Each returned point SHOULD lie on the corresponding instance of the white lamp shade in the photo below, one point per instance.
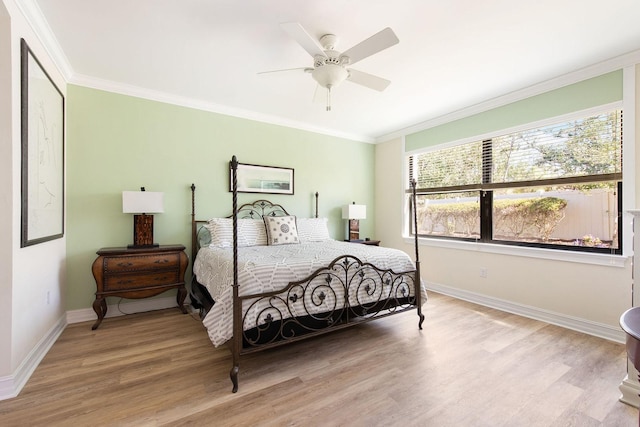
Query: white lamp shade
(354, 212)
(138, 202)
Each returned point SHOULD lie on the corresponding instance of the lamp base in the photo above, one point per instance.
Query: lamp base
(354, 229)
(142, 232)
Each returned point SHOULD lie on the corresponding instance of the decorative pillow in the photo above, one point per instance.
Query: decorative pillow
(281, 230)
(204, 236)
(312, 229)
(251, 232)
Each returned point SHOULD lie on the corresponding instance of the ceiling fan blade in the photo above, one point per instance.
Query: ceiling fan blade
(286, 69)
(299, 34)
(374, 44)
(368, 80)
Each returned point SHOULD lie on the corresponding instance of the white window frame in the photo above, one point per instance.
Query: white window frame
(628, 188)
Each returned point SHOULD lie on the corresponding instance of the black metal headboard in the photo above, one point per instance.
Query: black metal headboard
(259, 209)
(255, 210)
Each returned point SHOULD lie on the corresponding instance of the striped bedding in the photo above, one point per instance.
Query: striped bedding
(268, 268)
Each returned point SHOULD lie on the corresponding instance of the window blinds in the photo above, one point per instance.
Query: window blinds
(587, 149)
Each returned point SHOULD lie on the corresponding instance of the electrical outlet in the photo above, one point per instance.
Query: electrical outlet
(483, 272)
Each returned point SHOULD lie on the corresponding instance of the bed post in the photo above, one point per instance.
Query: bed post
(236, 340)
(194, 231)
(417, 279)
(316, 204)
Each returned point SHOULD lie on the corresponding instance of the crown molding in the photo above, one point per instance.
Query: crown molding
(32, 13)
(36, 20)
(595, 70)
(153, 95)
(34, 17)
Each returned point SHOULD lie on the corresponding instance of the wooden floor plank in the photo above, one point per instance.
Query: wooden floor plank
(470, 365)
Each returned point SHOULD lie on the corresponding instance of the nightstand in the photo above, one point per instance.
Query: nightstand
(138, 273)
(365, 242)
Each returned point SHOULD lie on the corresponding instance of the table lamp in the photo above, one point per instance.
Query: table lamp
(354, 213)
(142, 203)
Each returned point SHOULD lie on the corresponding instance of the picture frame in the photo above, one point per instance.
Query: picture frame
(42, 157)
(262, 179)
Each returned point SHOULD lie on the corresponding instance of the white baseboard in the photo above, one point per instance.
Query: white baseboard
(11, 385)
(630, 388)
(600, 330)
(129, 307)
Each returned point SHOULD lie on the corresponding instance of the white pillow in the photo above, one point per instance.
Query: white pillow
(281, 230)
(251, 232)
(312, 229)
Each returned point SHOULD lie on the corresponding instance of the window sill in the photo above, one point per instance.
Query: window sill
(540, 253)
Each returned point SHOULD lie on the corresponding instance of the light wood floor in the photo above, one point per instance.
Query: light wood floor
(469, 366)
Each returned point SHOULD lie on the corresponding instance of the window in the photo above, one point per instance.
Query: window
(554, 186)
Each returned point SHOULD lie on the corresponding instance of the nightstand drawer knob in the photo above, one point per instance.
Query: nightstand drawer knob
(125, 264)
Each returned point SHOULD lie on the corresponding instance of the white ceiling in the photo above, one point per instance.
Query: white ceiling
(452, 53)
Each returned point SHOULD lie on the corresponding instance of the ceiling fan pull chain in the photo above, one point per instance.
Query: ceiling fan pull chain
(328, 97)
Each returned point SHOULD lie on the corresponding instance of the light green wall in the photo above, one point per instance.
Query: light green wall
(117, 142)
(575, 97)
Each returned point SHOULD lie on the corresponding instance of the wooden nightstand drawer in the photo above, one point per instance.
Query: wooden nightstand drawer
(142, 280)
(165, 261)
(138, 273)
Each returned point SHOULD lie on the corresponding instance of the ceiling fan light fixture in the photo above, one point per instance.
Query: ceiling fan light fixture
(330, 66)
(330, 75)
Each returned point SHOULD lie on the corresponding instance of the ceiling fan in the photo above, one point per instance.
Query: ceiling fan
(330, 66)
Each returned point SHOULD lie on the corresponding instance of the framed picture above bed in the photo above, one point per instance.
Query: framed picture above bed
(262, 179)
(42, 210)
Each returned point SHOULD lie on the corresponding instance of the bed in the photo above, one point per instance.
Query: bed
(264, 278)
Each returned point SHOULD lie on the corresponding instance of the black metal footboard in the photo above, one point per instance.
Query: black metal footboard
(347, 291)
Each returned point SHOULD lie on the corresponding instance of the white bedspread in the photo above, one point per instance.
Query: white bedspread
(268, 268)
